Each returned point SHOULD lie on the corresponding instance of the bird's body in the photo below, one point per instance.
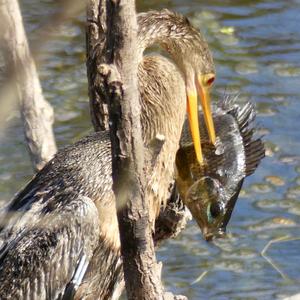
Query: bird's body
(79, 180)
(63, 225)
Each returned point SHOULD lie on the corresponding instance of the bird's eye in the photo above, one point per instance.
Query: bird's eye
(213, 211)
(210, 80)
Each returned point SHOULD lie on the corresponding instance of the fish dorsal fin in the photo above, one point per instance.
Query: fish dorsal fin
(255, 152)
(254, 147)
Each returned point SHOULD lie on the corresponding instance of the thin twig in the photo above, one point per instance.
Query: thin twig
(198, 279)
(282, 239)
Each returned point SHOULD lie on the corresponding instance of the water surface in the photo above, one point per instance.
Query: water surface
(256, 45)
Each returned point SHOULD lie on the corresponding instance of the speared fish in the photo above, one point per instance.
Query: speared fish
(210, 191)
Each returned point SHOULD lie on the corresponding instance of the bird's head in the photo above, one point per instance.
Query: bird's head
(199, 75)
(195, 60)
(198, 87)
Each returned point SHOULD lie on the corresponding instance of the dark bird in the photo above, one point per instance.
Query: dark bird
(59, 237)
(210, 190)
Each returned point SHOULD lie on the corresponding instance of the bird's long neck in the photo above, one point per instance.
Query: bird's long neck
(163, 99)
(163, 93)
(163, 108)
(175, 35)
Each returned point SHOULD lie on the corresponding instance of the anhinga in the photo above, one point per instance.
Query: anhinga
(61, 234)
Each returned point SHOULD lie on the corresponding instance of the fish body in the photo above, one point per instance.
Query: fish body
(210, 190)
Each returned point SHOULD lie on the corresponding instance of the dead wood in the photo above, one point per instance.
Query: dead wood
(36, 112)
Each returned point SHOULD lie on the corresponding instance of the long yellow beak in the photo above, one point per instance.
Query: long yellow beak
(203, 92)
(192, 109)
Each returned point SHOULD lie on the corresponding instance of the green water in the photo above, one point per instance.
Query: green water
(256, 45)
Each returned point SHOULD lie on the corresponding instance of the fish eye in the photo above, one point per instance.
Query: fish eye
(213, 211)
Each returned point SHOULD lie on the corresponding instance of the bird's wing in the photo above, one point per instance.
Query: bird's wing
(40, 259)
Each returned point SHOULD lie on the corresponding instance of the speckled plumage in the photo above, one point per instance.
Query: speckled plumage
(67, 212)
(174, 33)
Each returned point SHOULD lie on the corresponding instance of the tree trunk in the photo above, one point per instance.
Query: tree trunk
(114, 28)
(142, 279)
(37, 114)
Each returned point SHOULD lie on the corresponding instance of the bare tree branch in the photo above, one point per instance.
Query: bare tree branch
(113, 25)
(142, 279)
(37, 114)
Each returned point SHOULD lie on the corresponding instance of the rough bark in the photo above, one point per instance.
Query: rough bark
(119, 78)
(36, 112)
(142, 279)
(97, 53)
